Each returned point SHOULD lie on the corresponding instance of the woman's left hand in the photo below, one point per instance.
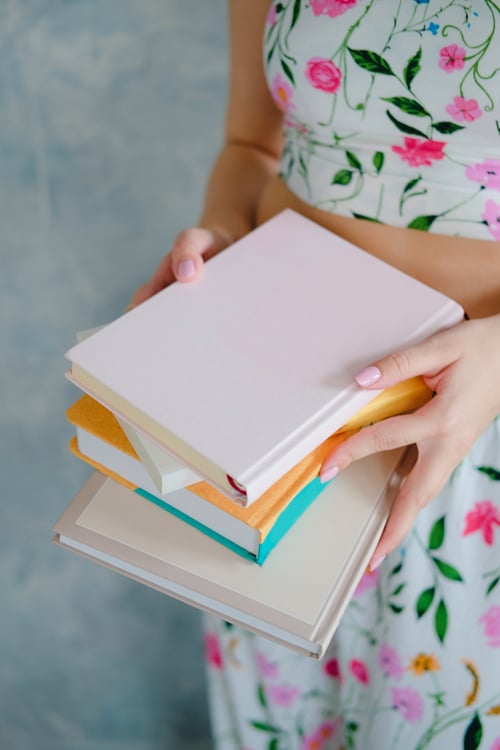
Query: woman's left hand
(461, 365)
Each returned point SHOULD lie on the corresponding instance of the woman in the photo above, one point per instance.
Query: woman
(380, 120)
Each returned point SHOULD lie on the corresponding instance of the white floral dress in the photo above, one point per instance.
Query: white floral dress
(392, 112)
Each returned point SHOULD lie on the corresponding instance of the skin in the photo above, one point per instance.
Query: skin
(462, 364)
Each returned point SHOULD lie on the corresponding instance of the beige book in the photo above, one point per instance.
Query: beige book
(296, 598)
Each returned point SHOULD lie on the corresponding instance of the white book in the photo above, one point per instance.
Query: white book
(166, 473)
(246, 371)
(238, 535)
(296, 598)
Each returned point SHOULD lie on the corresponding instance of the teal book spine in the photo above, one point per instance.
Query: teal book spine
(282, 525)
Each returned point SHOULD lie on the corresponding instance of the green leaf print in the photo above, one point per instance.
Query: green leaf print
(410, 106)
(371, 61)
(424, 601)
(398, 589)
(366, 218)
(490, 472)
(473, 734)
(343, 177)
(423, 222)
(447, 570)
(296, 13)
(273, 744)
(436, 537)
(265, 727)
(378, 160)
(397, 568)
(396, 608)
(446, 127)
(411, 184)
(350, 731)
(353, 160)
(261, 696)
(412, 67)
(492, 585)
(287, 71)
(441, 620)
(403, 127)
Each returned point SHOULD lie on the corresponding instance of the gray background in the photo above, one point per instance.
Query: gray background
(110, 115)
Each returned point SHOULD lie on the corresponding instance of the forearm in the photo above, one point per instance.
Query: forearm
(236, 182)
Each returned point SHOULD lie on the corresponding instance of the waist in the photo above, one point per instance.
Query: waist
(467, 270)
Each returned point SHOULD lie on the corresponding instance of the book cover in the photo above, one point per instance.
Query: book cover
(297, 598)
(241, 374)
(102, 437)
(233, 530)
(166, 473)
(251, 531)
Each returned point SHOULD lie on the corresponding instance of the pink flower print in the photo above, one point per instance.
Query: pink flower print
(282, 93)
(484, 515)
(331, 8)
(491, 622)
(268, 669)
(464, 110)
(359, 671)
(419, 152)
(323, 74)
(491, 216)
(496, 744)
(486, 172)
(312, 742)
(317, 739)
(282, 695)
(389, 661)
(368, 581)
(332, 669)
(451, 58)
(272, 15)
(213, 653)
(408, 703)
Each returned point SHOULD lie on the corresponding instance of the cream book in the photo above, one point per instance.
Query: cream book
(297, 598)
(243, 373)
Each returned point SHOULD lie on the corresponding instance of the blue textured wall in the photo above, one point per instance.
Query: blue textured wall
(110, 114)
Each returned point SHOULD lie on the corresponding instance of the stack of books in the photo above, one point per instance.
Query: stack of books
(209, 410)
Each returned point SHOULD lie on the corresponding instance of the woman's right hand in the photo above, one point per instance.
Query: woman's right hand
(185, 260)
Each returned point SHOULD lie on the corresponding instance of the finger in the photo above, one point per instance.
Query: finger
(388, 434)
(423, 483)
(426, 358)
(191, 248)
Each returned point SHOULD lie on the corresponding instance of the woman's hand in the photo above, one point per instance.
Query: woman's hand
(462, 366)
(184, 261)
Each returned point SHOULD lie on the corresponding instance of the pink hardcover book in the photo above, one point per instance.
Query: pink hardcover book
(244, 372)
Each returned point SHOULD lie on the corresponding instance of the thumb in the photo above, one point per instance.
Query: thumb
(192, 247)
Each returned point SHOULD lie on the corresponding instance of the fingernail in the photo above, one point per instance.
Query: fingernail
(186, 269)
(377, 562)
(368, 376)
(328, 473)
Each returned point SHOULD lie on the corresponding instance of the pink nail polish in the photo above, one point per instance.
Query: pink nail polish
(368, 376)
(377, 562)
(185, 269)
(328, 473)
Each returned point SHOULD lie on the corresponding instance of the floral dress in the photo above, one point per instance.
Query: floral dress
(392, 109)
(392, 114)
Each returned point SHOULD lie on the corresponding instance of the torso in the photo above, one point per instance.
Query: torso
(413, 140)
(467, 270)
